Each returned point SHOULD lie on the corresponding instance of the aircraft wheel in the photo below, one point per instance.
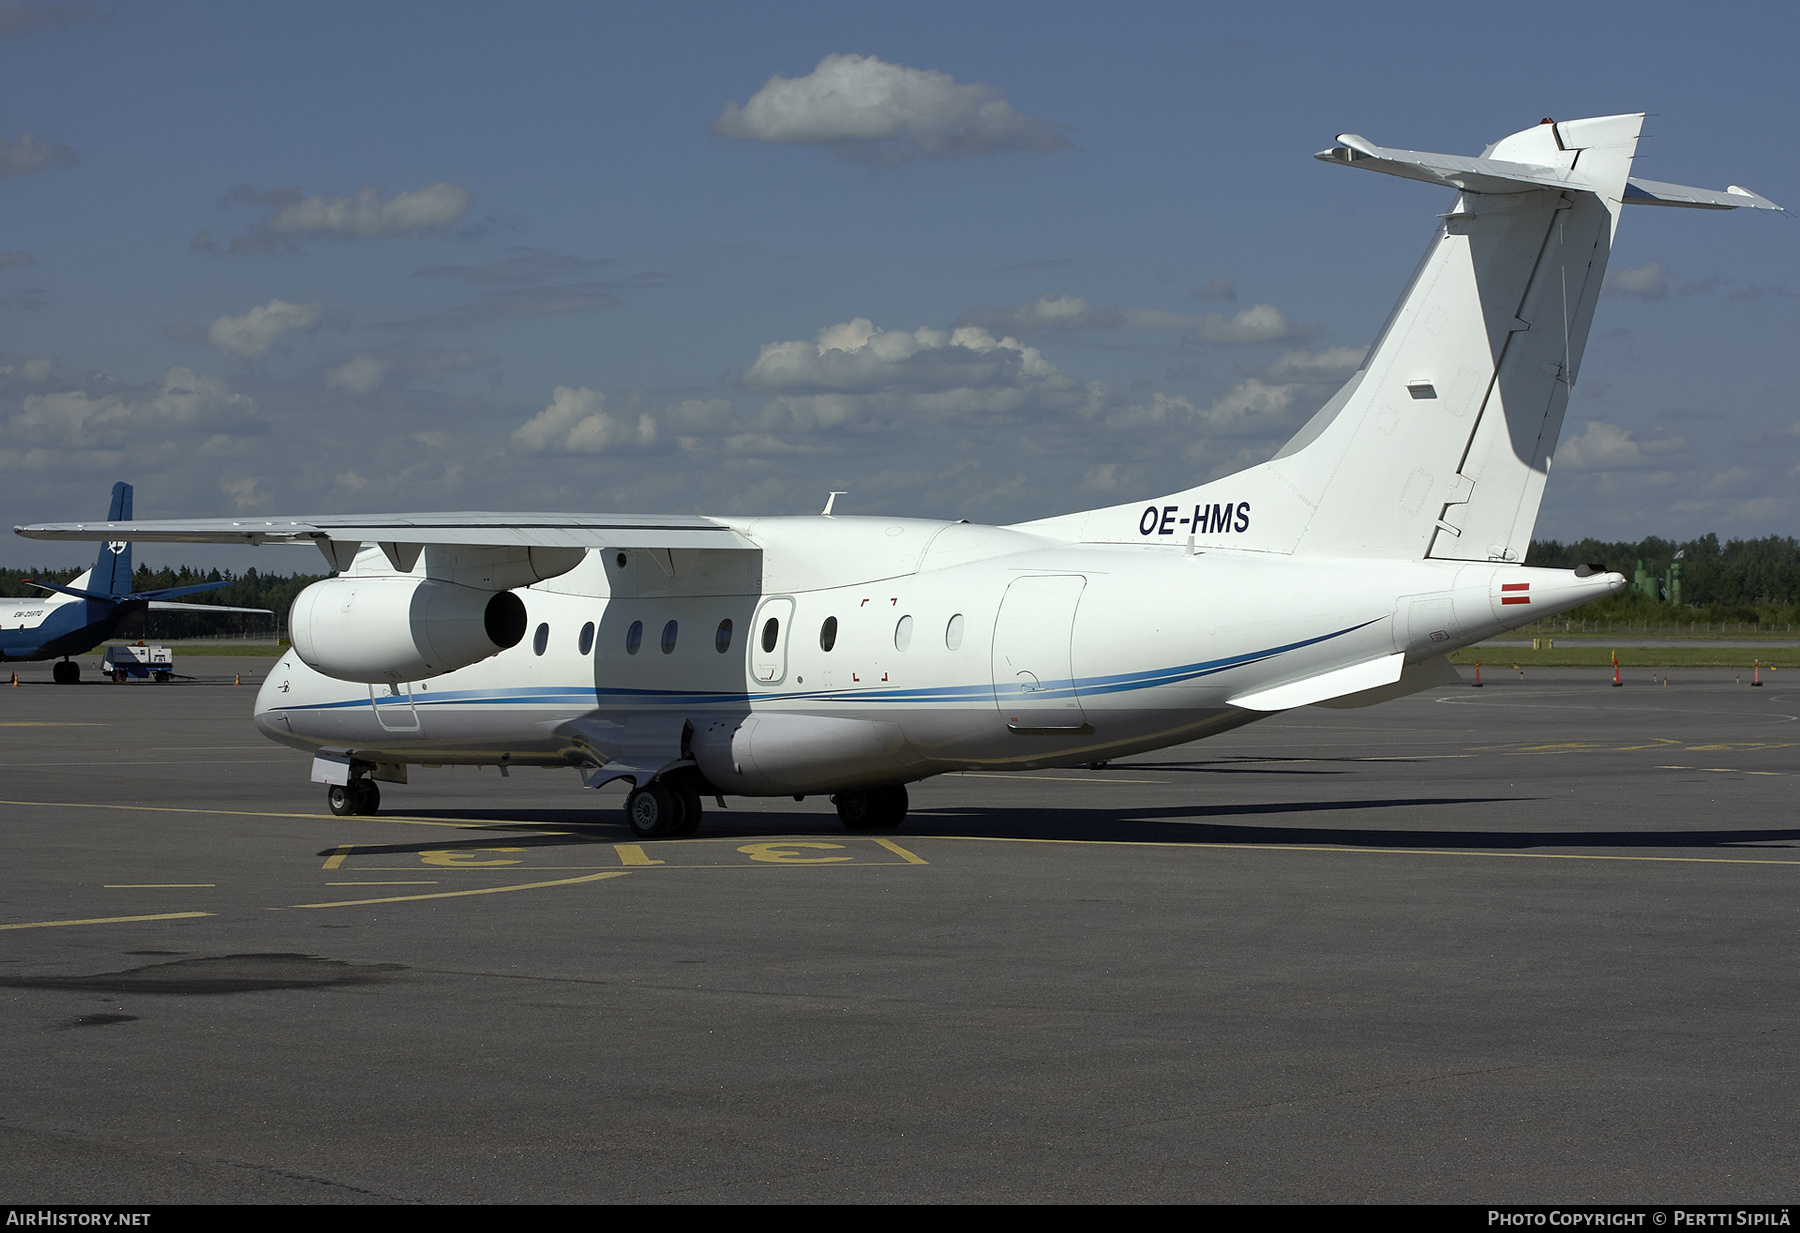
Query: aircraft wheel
(340, 799)
(365, 796)
(653, 812)
(65, 672)
(872, 808)
(691, 809)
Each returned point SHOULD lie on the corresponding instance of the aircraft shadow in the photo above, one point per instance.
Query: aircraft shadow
(1183, 824)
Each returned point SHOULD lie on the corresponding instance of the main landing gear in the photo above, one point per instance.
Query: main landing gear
(359, 796)
(661, 810)
(867, 809)
(65, 672)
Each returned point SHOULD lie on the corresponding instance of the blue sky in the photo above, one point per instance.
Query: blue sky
(355, 258)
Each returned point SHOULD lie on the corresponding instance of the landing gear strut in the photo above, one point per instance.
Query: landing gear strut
(865, 809)
(359, 796)
(65, 672)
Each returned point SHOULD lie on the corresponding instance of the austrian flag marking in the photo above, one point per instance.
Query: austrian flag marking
(1508, 597)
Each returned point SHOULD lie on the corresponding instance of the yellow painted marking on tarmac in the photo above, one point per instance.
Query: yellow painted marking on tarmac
(34, 723)
(105, 920)
(465, 858)
(486, 890)
(634, 854)
(1329, 848)
(787, 853)
(158, 885)
(265, 813)
(895, 848)
(433, 883)
(337, 857)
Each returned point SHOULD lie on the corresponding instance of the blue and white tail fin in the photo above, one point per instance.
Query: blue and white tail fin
(111, 574)
(1439, 446)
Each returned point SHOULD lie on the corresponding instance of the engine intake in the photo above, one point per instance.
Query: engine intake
(382, 630)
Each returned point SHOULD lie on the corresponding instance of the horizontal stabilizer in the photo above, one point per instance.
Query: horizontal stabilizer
(1477, 175)
(1655, 192)
(1371, 674)
(163, 605)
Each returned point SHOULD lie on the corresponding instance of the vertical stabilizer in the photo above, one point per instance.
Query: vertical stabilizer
(112, 570)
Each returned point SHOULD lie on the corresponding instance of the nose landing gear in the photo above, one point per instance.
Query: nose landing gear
(65, 672)
(359, 796)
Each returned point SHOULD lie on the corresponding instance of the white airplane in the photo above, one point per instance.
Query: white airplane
(700, 656)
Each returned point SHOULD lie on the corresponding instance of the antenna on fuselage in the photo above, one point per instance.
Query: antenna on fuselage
(832, 500)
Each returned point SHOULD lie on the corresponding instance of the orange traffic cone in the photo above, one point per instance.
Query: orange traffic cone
(15, 680)
(1616, 681)
(237, 678)
(1756, 680)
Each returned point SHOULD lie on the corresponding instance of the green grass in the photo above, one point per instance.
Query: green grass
(1590, 655)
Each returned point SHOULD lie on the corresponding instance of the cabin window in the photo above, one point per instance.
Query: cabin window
(903, 633)
(540, 641)
(771, 631)
(634, 637)
(587, 637)
(953, 632)
(668, 638)
(828, 634)
(722, 639)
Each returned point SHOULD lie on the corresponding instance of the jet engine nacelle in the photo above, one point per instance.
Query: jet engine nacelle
(382, 630)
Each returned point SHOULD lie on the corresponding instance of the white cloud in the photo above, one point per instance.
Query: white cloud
(868, 110)
(1071, 312)
(33, 153)
(33, 370)
(252, 334)
(1645, 282)
(577, 422)
(185, 400)
(360, 375)
(857, 357)
(365, 214)
(1260, 323)
(1333, 364)
(1604, 447)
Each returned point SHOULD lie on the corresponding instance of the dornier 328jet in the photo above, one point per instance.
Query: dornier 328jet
(697, 656)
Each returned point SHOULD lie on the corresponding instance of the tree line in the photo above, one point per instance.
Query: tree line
(251, 589)
(1756, 581)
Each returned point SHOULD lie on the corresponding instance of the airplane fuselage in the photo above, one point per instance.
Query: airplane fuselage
(855, 651)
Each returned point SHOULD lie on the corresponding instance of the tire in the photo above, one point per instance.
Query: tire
(653, 812)
(691, 811)
(365, 796)
(65, 672)
(162, 676)
(865, 809)
(340, 800)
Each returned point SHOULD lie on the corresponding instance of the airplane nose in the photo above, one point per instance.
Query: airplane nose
(270, 714)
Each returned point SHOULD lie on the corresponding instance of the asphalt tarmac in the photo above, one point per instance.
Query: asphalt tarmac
(1529, 943)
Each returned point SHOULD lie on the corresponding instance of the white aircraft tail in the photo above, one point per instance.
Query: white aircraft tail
(1439, 446)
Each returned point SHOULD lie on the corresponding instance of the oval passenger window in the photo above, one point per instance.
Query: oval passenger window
(953, 632)
(722, 639)
(770, 630)
(540, 640)
(903, 634)
(634, 637)
(587, 637)
(828, 634)
(668, 638)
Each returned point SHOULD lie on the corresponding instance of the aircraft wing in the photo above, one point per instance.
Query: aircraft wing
(471, 528)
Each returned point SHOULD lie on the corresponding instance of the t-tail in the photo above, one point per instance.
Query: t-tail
(1439, 446)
